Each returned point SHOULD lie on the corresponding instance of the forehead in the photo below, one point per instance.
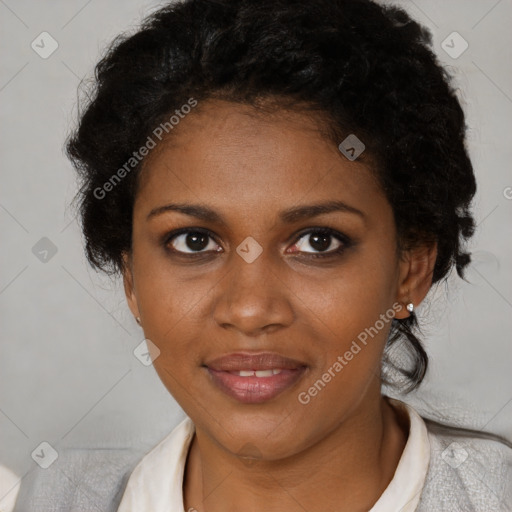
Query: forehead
(230, 154)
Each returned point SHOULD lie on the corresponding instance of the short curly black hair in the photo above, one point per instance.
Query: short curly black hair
(368, 68)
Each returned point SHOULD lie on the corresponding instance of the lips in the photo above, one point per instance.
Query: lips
(263, 361)
(254, 378)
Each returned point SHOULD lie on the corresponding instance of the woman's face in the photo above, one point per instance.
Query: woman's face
(248, 276)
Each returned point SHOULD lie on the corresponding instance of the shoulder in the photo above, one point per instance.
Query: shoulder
(468, 471)
(78, 480)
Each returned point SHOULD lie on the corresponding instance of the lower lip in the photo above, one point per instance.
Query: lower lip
(254, 390)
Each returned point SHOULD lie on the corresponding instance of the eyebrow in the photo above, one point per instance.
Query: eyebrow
(289, 216)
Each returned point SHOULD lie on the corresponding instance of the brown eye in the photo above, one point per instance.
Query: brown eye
(192, 241)
(321, 242)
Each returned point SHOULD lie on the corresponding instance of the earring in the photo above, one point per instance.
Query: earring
(410, 307)
(138, 320)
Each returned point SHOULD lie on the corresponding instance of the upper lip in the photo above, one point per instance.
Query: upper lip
(249, 361)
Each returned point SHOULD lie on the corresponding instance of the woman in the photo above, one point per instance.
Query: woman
(279, 184)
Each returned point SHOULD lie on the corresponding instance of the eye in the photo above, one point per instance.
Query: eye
(191, 241)
(323, 242)
(326, 241)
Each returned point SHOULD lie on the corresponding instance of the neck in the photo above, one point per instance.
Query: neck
(347, 470)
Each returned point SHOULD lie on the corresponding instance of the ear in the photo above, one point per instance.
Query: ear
(129, 286)
(416, 270)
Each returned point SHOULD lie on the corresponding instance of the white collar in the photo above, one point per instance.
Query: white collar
(156, 483)
(404, 491)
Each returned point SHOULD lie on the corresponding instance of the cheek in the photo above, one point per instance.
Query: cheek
(172, 308)
(352, 296)
(167, 292)
(349, 314)
(350, 327)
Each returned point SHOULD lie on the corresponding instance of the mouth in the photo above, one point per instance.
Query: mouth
(254, 378)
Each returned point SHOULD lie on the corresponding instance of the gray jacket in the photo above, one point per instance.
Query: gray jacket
(467, 473)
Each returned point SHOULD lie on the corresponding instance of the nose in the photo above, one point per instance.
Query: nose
(253, 298)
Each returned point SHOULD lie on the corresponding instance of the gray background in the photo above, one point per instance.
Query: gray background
(68, 375)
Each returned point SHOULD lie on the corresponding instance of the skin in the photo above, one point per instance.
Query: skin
(339, 451)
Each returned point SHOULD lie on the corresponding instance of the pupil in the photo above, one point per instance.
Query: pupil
(197, 241)
(320, 242)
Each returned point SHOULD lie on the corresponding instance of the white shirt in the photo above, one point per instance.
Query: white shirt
(9, 488)
(156, 483)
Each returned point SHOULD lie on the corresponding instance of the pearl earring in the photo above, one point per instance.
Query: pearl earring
(138, 320)
(410, 307)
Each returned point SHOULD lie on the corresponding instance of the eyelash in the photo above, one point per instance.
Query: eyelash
(346, 242)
